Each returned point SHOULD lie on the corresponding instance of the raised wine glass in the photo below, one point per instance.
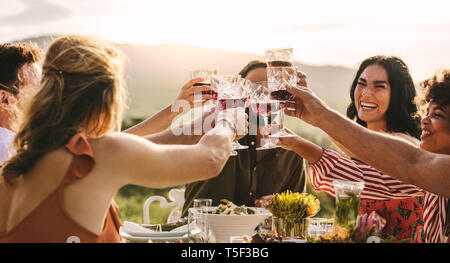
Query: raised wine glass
(282, 57)
(206, 74)
(233, 92)
(262, 105)
(278, 79)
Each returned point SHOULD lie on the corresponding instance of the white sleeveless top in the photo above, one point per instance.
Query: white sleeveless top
(6, 144)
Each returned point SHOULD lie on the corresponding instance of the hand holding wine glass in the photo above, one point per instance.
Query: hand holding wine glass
(289, 106)
(233, 92)
(279, 78)
(306, 105)
(303, 103)
(280, 75)
(236, 118)
(263, 106)
(206, 75)
(191, 88)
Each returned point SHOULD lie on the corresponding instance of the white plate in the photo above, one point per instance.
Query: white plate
(294, 240)
(157, 234)
(157, 238)
(136, 230)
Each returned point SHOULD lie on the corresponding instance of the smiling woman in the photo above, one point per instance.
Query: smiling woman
(436, 129)
(382, 95)
(435, 101)
(372, 95)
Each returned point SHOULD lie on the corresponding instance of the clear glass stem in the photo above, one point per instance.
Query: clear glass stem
(282, 132)
(269, 144)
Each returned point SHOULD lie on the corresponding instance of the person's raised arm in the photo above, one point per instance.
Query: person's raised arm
(306, 149)
(135, 160)
(164, 118)
(186, 132)
(390, 155)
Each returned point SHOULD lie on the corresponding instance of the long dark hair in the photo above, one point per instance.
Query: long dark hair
(400, 116)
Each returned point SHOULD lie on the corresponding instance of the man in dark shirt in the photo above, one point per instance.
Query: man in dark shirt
(251, 174)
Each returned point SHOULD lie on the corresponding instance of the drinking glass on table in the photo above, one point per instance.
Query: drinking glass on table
(197, 225)
(262, 105)
(202, 202)
(317, 227)
(278, 78)
(348, 200)
(233, 91)
(206, 75)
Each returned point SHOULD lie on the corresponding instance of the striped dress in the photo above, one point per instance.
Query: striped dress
(378, 186)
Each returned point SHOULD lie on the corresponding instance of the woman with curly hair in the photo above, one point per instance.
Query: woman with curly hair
(409, 166)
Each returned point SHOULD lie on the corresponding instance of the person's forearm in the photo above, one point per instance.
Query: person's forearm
(154, 124)
(308, 150)
(343, 149)
(390, 155)
(168, 137)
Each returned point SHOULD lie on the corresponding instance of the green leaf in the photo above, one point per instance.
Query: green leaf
(420, 221)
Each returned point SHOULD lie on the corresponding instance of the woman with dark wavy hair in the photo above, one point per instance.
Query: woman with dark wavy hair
(409, 167)
(397, 118)
(382, 95)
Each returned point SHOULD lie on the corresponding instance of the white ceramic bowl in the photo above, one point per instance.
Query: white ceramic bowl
(225, 226)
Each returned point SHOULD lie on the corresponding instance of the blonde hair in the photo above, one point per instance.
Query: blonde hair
(81, 91)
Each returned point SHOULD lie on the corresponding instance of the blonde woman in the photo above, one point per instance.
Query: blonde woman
(71, 159)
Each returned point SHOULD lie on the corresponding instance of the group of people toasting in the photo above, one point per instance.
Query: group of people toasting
(66, 156)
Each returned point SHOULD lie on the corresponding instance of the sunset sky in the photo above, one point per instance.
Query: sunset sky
(321, 32)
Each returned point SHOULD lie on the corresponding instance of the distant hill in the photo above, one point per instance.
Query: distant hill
(155, 73)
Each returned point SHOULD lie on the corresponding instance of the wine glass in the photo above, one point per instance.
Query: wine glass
(206, 74)
(282, 57)
(233, 92)
(278, 78)
(262, 105)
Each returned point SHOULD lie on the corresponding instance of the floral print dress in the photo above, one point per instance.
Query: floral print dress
(404, 217)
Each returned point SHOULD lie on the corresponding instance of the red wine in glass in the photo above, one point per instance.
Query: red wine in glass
(279, 63)
(281, 95)
(263, 108)
(207, 92)
(232, 103)
(202, 84)
(213, 95)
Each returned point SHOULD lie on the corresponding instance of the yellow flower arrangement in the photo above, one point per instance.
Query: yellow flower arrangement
(290, 205)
